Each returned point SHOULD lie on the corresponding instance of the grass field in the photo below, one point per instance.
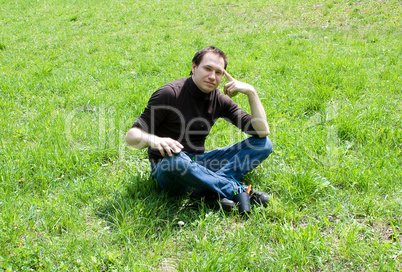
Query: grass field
(74, 76)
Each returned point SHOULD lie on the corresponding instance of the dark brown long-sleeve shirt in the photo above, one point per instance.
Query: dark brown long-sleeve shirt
(179, 110)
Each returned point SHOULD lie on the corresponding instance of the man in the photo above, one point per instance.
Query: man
(177, 120)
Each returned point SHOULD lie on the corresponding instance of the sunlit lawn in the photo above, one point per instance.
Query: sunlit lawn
(75, 75)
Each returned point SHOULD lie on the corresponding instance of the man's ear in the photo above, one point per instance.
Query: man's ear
(193, 66)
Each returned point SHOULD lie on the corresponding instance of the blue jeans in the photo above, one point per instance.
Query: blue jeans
(216, 170)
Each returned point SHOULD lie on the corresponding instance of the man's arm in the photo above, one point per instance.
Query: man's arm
(138, 138)
(259, 118)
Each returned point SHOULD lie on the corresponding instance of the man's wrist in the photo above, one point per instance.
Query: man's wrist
(152, 140)
(252, 92)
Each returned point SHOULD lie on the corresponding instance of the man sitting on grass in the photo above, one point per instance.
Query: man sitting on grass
(179, 117)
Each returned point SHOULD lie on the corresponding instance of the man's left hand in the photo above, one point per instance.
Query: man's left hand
(234, 86)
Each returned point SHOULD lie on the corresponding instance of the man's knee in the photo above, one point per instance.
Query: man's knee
(268, 147)
(263, 145)
(177, 164)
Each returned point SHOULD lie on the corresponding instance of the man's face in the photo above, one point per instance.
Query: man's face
(208, 74)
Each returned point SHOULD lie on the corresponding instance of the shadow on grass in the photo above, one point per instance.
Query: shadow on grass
(143, 210)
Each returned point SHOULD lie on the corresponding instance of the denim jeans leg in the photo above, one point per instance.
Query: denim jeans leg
(238, 159)
(179, 173)
(213, 170)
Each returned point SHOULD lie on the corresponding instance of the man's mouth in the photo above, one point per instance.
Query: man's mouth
(210, 83)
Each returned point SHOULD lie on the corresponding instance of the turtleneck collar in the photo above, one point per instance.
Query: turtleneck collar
(195, 91)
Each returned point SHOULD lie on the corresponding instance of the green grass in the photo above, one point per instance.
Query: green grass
(74, 75)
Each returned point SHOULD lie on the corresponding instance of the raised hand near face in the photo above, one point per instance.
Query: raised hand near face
(233, 87)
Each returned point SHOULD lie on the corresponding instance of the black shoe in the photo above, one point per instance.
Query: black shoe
(213, 200)
(261, 198)
(257, 197)
(223, 202)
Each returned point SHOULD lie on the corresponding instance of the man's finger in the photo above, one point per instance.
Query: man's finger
(161, 150)
(229, 77)
(175, 149)
(165, 148)
(179, 145)
(169, 151)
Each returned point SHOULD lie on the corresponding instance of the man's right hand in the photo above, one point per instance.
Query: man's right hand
(140, 139)
(167, 145)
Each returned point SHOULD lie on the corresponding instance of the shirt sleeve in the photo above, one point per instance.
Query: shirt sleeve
(156, 110)
(232, 113)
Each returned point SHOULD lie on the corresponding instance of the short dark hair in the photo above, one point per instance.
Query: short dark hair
(200, 54)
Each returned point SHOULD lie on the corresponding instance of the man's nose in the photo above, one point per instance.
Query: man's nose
(212, 75)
